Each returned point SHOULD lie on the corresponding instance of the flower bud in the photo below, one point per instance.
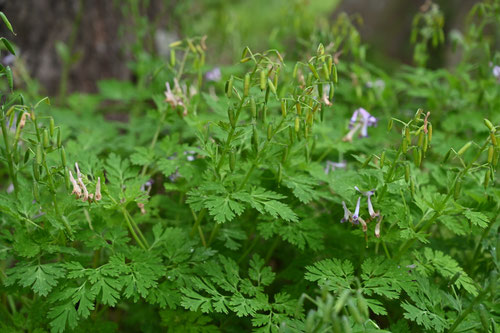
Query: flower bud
(98, 195)
(377, 227)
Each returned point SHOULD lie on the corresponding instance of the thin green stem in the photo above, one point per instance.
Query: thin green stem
(10, 163)
(249, 249)
(131, 229)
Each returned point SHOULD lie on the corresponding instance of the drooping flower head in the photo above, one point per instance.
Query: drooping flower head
(355, 216)
(331, 166)
(347, 213)
(368, 195)
(360, 119)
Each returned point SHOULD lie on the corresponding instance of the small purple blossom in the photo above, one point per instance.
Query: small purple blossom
(331, 166)
(8, 60)
(355, 216)
(496, 72)
(368, 194)
(379, 84)
(347, 213)
(214, 75)
(360, 119)
(190, 155)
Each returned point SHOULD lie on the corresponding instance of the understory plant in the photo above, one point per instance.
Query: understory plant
(317, 194)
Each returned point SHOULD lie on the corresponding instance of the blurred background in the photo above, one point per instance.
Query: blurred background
(67, 46)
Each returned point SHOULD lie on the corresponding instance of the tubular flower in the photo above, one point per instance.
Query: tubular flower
(331, 166)
(355, 216)
(76, 188)
(360, 119)
(84, 189)
(368, 194)
(347, 213)
(98, 195)
(377, 227)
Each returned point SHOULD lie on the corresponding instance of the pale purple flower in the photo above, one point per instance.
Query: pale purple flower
(355, 216)
(214, 75)
(379, 84)
(360, 119)
(190, 155)
(331, 166)
(8, 60)
(368, 194)
(496, 72)
(347, 213)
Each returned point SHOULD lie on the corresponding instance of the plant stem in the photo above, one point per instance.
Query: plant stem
(131, 229)
(249, 249)
(10, 163)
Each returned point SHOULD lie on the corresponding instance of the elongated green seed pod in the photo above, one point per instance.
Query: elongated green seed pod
(284, 156)
(326, 72)
(389, 124)
(246, 87)
(280, 173)
(320, 90)
(487, 176)
(426, 143)
(36, 171)
(491, 151)
(421, 136)
(230, 115)
(429, 129)
(299, 108)
(291, 135)
(407, 172)
(334, 73)
(309, 79)
(495, 158)
(447, 156)
(297, 124)
(412, 187)
(493, 139)
(10, 80)
(407, 134)
(229, 87)
(404, 145)
(255, 139)
(172, 57)
(283, 108)
(39, 154)
(269, 131)
(271, 86)
(464, 148)
(63, 157)
(66, 178)
(36, 191)
(59, 139)
(26, 156)
(331, 93)
(416, 159)
(51, 126)
(46, 141)
(313, 70)
(489, 125)
(263, 80)
(253, 107)
(382, 159)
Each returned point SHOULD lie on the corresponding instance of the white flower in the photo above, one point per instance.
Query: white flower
(331, 166)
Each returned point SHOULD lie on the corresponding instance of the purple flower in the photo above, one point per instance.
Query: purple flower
(347, 213)
(368, 194)
(355, 216)
(360, 119)
(496, 72)
(214, 75)
(331, 166)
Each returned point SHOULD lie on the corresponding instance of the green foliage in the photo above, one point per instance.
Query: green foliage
(253, 202)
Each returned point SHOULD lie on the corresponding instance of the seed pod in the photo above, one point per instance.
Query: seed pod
(334, 73)
(353, 310)
(412, 187)
(421, 139)
(291, 136)
(306, 134)
(389, 124)
(271, 86)
(232, 161)
(295, 69)
(447, 156)
(264, 113)
(229, 87)
(283, 108)
(346, 325)
(320, 50)
(495, 158)
(230, 115)
(36, 171)
(59, 139)
(429, 132)
(255, 139)
(172, 57)
(63, 157)
(483, 315)
(66, 178)
(326, 72)
(269, 132)
(285, 155)
(26, 156)
(416, 158)
(493, 138)
(313, 70)
(36, 191)
(464, 148)
(299, 108)
(426, 143)
(46, 142)
(246, 86)
(263, 80)
(253, 107)
(297, 124)
(458, 186)
(487, 178)
(404, 146)
(39, 154)
(51, 126)
(407, 172)
(331, 92)
(382, 159)
(491, 151)
(489, 125)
